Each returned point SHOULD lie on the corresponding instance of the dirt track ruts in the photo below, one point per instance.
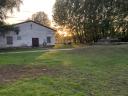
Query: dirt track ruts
(11, 73)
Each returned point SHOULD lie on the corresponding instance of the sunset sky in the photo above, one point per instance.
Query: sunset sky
(29, 7)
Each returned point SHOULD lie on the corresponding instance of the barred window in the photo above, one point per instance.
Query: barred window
(9, 40)
(48, 39)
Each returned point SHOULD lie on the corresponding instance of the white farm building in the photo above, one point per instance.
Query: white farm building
(30, 34)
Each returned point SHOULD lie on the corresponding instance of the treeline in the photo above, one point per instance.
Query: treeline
(91, 20)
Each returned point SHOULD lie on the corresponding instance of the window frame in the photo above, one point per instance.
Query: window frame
(9, 40)
(19, 38)
(49, 39)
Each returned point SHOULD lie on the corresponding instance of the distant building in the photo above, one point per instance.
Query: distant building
(28, 34)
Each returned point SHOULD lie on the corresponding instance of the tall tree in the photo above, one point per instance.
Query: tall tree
(90, 20)
(42, 18)
(8, 6)
(5, 7)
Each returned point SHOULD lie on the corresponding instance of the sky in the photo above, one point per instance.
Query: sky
(30, 7)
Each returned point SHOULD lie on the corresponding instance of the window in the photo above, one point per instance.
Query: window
(48, 39)
(9, 40)
(18, 37)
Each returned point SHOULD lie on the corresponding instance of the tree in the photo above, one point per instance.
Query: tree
(91, 20)
(42, 18)
(5, 7)
(8, 6)
(5, 28)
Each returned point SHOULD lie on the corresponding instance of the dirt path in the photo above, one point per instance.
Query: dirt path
(11, 73)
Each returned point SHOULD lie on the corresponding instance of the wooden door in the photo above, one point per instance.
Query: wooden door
(35, 42)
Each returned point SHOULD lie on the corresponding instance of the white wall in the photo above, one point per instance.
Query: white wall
(27, 32)
(2, 42)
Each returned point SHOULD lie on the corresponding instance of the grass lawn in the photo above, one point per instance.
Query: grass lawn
(91, 71)
(20, 49)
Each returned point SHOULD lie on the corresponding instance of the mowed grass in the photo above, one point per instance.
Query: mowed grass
(20, 49)
(91, 71)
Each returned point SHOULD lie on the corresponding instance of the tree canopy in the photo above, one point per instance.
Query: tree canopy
(8, 6)
(90, 20)
(42, 18)
(5, 7)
